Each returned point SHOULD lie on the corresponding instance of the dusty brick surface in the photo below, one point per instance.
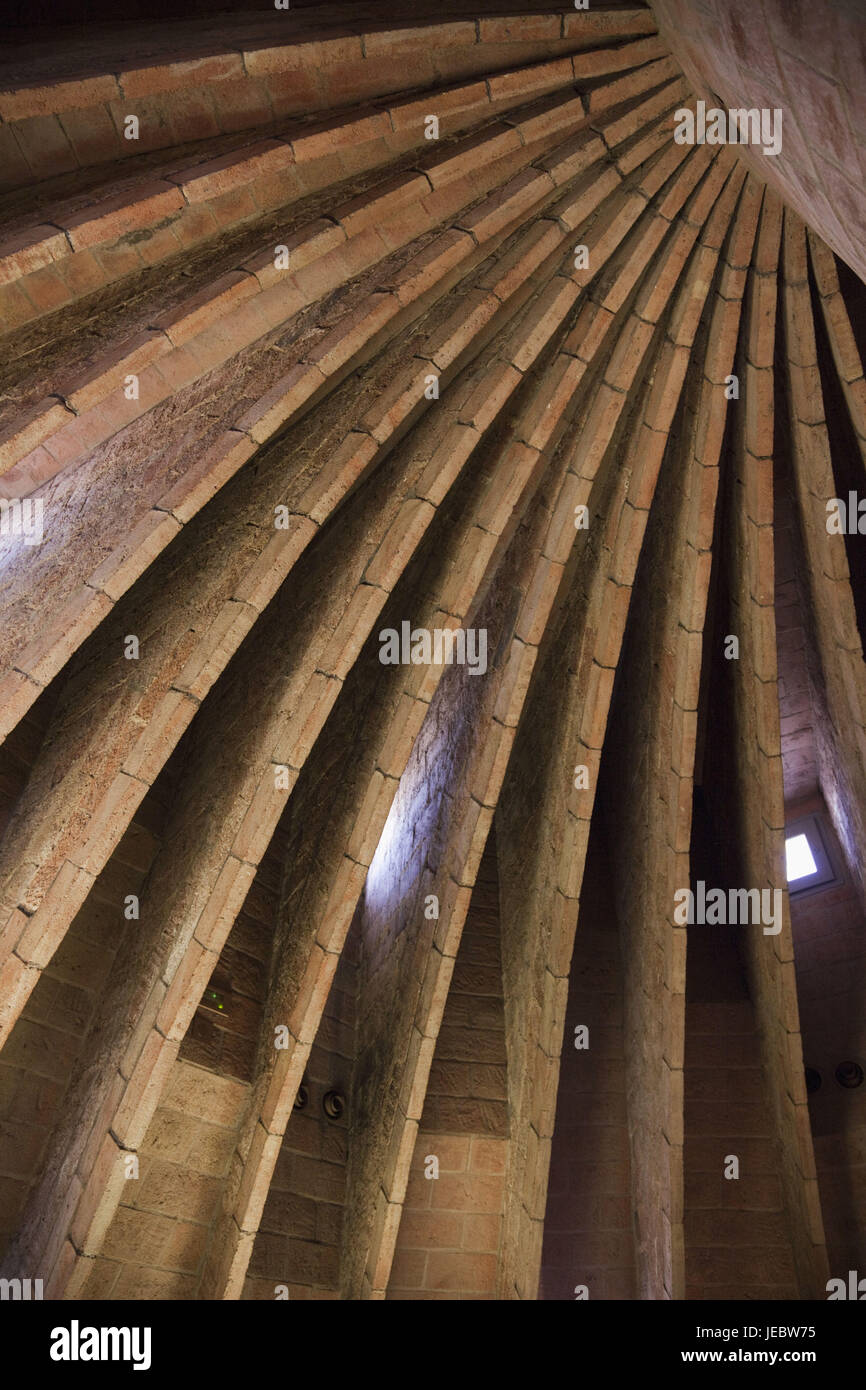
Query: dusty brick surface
(252, 866)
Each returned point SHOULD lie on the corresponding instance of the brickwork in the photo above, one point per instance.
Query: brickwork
(295, 372)
(828, 939)
(737, 1237)
(156, 1239)
(805, 60)
(793, 640)
(751, 827)
(225, 1029)
(838, 643)
(47, 1044)
(448, 1241)
(301, 1227)
(588, 1226)
(466, 1092)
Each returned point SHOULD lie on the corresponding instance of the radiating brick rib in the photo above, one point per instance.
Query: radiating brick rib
(248, 87)
(828, 582)
(557, 388)
(755, 440)
(85, 960)
(237, 1240)
(757, 751)
(706, 441)
(244, 846)
(383, 1157)
(619, 127)
(176, 58)
(179, 1148)
(255, 267)
(480, 790)
(175, 711)
(672, 813)
(674, 616)
(530, 625)
(198, 202)
(642, 80)
(188, 342)
(272, 173)
(518, 958)
(193, 993)
(613, 394)
(545, 581)
(206, 212)
(655, 1115)
(523, 1224)
(464, 1124)
(283, 1095)
(284, 1081)
(297, 390)
(843, 345)
(379, 1193)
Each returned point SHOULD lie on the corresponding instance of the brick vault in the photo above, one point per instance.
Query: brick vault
(324, 331)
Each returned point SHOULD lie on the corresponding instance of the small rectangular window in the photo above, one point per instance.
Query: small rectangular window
(807, 856)
(799, 858)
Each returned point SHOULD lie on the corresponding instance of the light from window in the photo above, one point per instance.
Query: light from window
(800, 860)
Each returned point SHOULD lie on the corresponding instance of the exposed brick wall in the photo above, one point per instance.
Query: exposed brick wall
(155, 1244)
(264, 781)
(737, 1237)
(829, 928)
(806, 59)
(44, 1051)
(588, 1224)
(158, 1237)
(793, 639)
(822, 446)
(744, 752)
(18, 754)
(823, 466)
(301, 1228)
(646, 774)
(466, 1091)
(448, 1242)
(224, 1034)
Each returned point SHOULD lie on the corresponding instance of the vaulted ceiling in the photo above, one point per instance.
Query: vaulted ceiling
(316, 324)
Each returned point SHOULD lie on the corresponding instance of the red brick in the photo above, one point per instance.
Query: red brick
(22, 254)
(92, 135)
(180, 75)
(114, 218)
(206, 181)
(460, 1272)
